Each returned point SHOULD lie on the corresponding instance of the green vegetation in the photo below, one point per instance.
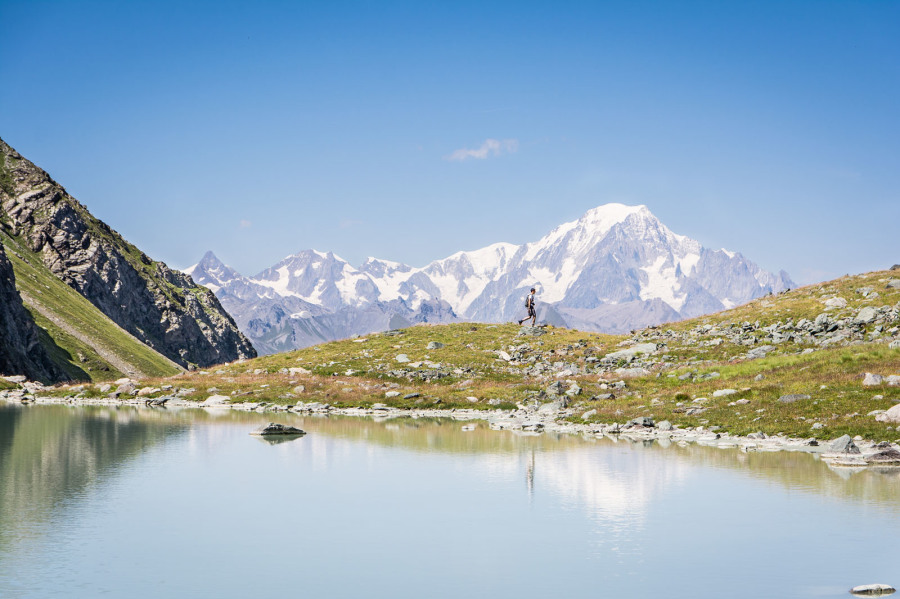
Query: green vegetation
(7, 185)
(79, 338)
(489, 367)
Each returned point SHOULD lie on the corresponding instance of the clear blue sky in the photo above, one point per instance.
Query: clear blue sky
(258, 129)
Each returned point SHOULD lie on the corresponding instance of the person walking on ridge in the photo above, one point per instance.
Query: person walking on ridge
(529, 303)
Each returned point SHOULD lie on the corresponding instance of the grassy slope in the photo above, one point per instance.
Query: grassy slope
(77, 358)
(352, 373)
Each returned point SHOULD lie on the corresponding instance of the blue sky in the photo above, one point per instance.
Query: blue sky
(261, 129)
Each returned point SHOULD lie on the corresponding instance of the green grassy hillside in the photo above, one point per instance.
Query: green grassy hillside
(756, 356)
(84, 342)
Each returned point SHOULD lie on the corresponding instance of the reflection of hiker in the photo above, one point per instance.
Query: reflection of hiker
(529, 303)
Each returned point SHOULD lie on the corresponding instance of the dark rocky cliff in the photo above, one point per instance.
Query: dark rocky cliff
(160, 306)
(21, 351)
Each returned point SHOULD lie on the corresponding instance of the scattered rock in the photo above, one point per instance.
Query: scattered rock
(866, 315)
(627, 354)
(892, 414)
(434, 345)
(645, 421)
(273, 428)
(555, 388)
(724, 392)
(392, 394)
(664, 426)
(589, 414)
(298, 370)
(792, 397)
(527, 331)
(836, 302)
(402, 358)
(871, 379)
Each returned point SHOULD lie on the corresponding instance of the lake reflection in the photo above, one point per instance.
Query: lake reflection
(140, 502)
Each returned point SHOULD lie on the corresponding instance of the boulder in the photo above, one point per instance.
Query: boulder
(664, 426)
(434, 345)
(871, 379)
(836, 302)
(216, 400)
(273, 428)
(890, 415)
(866, 315)
(555, 388)
(893, 284)
(723, 392)
(844, 445)
(642, 421)
(885, 457)
(402, 358)
(873, 589)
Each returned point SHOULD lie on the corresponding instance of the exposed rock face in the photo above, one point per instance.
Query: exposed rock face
(20, 350)
(161, 307)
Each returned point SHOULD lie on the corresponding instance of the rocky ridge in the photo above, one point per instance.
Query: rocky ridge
(161, 307)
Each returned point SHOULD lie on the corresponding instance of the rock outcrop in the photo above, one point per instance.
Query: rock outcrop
(21, 351)
(161, 307)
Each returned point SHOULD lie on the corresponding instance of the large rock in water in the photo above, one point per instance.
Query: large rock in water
(20, 349)
(873, 590)
(163, 308)
(273, 428)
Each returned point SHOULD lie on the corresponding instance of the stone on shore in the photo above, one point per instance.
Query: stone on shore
(273, 428)
(216, 400)
(844, 445)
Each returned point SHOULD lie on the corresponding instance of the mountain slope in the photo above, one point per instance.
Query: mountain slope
(21, 351)
(81, 341)
(160, 307)
(614, 269)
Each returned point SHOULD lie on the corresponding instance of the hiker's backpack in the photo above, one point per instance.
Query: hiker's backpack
(528, 301)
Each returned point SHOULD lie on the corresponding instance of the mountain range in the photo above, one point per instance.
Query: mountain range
(614, 269)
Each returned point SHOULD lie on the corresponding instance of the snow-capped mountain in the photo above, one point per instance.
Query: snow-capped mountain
(616, 268)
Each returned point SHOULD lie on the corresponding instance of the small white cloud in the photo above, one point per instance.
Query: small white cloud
(245, 224)
(490, 147)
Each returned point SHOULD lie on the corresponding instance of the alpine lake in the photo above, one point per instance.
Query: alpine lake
(139, 502)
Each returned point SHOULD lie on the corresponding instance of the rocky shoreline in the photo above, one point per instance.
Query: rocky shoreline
(844, 452)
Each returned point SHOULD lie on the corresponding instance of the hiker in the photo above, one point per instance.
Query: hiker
(529, 303)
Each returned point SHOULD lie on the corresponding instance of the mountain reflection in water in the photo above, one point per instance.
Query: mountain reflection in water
(60, 466)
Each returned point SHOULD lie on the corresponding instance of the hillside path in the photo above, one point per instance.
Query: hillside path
(125, 367)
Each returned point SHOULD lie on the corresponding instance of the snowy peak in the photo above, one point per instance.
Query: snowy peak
(615, 267)
(212, 272)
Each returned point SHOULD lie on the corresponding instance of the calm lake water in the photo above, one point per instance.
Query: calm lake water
(123, 502)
